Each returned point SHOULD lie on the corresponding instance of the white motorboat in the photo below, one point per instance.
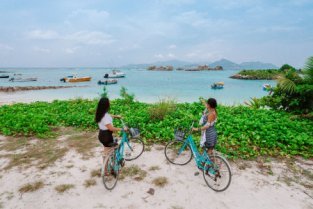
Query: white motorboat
(115, 74)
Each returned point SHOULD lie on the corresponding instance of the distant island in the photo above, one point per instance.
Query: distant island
(226, 64)
(268, 74)
(203, 68)
(195, 68)
(161, 68)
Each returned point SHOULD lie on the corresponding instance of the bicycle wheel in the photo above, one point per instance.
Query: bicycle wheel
(178, 153)
(133, 149)
(217, 174)
(111, 171)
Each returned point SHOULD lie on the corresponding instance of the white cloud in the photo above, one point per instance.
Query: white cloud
(89, 13)
(171, 55)
(41, 49)
(176, 2)
(80, 37)
(172, 46)
(165, 56)
(87, 19)
(43, 34)
(278, 28)
(6, 47)
(160, 56)
(71, 50)
(90, 37)
(201, 20)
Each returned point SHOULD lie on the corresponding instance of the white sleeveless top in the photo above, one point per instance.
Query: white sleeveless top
(107, 119)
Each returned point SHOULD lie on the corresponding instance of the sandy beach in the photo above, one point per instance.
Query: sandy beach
(74, 164)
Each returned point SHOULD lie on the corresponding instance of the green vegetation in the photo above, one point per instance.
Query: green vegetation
(162, 108)
(286, 67)
(269, 74)
(104, 92)
(243, 132)
(127, 97)
(293, 93)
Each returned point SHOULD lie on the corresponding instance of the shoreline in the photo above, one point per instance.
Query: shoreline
(10, 89)
(148, 101)
(248, 77)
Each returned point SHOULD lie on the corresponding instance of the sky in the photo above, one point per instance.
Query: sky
(99, 33)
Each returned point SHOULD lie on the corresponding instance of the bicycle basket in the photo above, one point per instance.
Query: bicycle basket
(179, 135)
(134, 132)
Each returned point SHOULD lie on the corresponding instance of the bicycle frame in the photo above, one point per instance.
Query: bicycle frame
(200, 159)
(119, 152)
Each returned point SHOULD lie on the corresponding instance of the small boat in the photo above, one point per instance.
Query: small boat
(115, 74)
(22, 79)
(217, 85)
(107, 82)
(4, 76)
(267, 87)
(73, 79)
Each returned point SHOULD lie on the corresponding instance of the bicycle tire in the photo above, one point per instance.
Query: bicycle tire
(212, 172)
(169, 149)
(131, 154)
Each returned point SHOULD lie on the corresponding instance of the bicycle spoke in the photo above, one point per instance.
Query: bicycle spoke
(111, 171)
(177, 152)
(216, 178)
(133, 149)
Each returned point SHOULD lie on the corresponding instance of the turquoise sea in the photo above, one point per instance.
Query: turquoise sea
(148, 86)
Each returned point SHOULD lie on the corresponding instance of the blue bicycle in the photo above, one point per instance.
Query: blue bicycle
(132, 146)
(216, 169)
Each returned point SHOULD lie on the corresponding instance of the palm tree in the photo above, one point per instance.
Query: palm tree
(288, 81)
(308, 71)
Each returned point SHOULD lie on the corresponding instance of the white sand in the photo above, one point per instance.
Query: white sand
(249, 188)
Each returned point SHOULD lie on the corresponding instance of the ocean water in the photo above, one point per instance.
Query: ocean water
(148, 86)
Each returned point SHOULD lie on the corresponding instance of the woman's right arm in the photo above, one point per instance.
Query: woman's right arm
(112, 128)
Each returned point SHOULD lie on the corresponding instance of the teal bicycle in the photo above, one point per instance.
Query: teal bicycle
(131, 145)
(216, 170)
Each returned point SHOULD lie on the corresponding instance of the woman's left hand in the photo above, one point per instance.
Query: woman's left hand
(118, 116)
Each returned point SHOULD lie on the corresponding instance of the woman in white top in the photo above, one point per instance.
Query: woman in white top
(105, 123)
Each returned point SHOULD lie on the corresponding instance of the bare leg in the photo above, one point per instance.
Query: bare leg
(106, 153)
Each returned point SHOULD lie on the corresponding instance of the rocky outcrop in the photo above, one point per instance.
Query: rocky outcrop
(30, 88)
(161, 68)
(204, 68)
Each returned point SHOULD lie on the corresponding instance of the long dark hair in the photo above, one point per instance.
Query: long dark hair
(213, 103)
(102, 108)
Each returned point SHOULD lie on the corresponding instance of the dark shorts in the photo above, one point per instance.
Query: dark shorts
(105, 137)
